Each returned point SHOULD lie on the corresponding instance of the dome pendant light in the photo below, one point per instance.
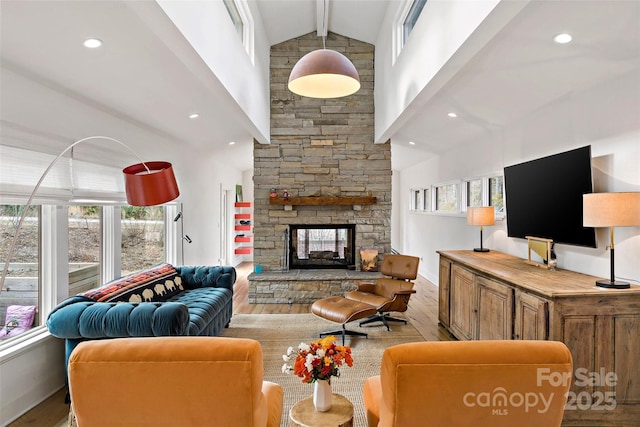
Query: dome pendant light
(324, 73)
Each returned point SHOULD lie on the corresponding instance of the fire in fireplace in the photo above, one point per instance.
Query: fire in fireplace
(322, 246)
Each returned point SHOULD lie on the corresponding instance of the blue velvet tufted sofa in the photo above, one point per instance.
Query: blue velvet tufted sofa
(160, 301)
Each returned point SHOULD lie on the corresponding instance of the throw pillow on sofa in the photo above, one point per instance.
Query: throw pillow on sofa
(158, 283)
(19, 318)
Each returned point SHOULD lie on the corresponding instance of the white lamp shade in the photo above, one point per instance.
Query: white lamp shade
(611, 209)
(481, 215)
(324, 73)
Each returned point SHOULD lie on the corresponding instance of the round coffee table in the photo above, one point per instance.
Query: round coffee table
(303, 414)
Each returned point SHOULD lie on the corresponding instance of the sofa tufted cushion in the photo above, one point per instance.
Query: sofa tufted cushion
(158, 283)
(85, 319)
(194, 277)
(204, 305)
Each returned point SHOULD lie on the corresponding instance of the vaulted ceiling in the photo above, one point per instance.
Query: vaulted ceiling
(141, 81)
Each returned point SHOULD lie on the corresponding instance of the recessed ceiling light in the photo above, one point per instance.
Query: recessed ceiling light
(232, 143)
(452, 115)
(562, 38)
(92, 43)
(194, 116)
(412, 143)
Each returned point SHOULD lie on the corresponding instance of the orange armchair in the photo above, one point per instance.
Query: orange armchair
(172, 381)
(470, 383)
(390, 293)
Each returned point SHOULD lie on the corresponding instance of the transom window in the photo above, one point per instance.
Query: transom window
(455, 197)
(474, 192)
(447, 197)
(496, 193)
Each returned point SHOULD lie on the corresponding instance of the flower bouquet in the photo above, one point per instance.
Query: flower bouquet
(317, 362)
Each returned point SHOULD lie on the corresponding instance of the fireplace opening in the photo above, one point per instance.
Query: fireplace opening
(322, 246)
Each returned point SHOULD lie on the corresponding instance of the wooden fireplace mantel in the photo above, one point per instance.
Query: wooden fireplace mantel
(320, 201)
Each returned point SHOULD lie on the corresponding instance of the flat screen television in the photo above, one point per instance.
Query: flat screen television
(543, 198)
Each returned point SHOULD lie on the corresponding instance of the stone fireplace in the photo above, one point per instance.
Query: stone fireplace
(323, 154)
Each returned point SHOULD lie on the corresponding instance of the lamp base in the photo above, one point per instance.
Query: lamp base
(616, 284)
(480, 250)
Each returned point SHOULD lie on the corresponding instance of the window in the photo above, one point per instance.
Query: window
(234, 13)
(404, 23)
(412, 17)
(22, 284)
(85, 247)
(243, 22)
(416, 200)
(143, 237)
(474, 192)
(496, 193)
(447, 197)
(426, 199)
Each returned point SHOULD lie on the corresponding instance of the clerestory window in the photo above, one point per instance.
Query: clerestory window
(411, 18)
(234, 13)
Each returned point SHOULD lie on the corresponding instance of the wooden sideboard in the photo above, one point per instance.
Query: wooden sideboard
(495, 296)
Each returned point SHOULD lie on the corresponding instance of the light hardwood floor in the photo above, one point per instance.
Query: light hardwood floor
(422, 313)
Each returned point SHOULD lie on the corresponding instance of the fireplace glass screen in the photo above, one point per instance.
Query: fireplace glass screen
(322, 246)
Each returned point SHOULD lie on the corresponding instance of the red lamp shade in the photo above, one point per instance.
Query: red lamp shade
(151, 187)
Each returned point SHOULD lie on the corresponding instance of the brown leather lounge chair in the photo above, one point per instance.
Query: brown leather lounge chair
(389, 293)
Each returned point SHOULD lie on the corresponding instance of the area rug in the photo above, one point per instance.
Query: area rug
(276, 332)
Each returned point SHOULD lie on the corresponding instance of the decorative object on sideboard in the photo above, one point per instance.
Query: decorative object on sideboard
(324, 73)
(482, 216)
(146, 184)
(611, 210)
(544, 248)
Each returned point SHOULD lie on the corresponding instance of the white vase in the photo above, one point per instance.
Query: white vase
(322, 395)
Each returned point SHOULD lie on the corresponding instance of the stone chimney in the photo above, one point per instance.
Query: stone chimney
(321, 148)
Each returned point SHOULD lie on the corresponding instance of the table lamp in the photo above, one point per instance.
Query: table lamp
(611, 210)
(481, 215)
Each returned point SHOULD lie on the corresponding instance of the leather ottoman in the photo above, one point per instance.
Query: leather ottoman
(342, 310)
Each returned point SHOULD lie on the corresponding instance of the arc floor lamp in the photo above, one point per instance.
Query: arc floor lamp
(146, 184)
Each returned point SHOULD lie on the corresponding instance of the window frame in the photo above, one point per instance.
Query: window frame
(457, 185)
(239, 10)
(53, 276)
(428, 199)
(400, 36)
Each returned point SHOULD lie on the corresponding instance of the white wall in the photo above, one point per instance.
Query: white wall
(37, 371)
(29, 376)
(207, 27)
(604, 117)
(201, 179)
(403, 84)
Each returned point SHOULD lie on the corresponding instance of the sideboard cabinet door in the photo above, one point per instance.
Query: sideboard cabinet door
(443, 292)
(531, 317)
(495, 310)
(462, 295)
